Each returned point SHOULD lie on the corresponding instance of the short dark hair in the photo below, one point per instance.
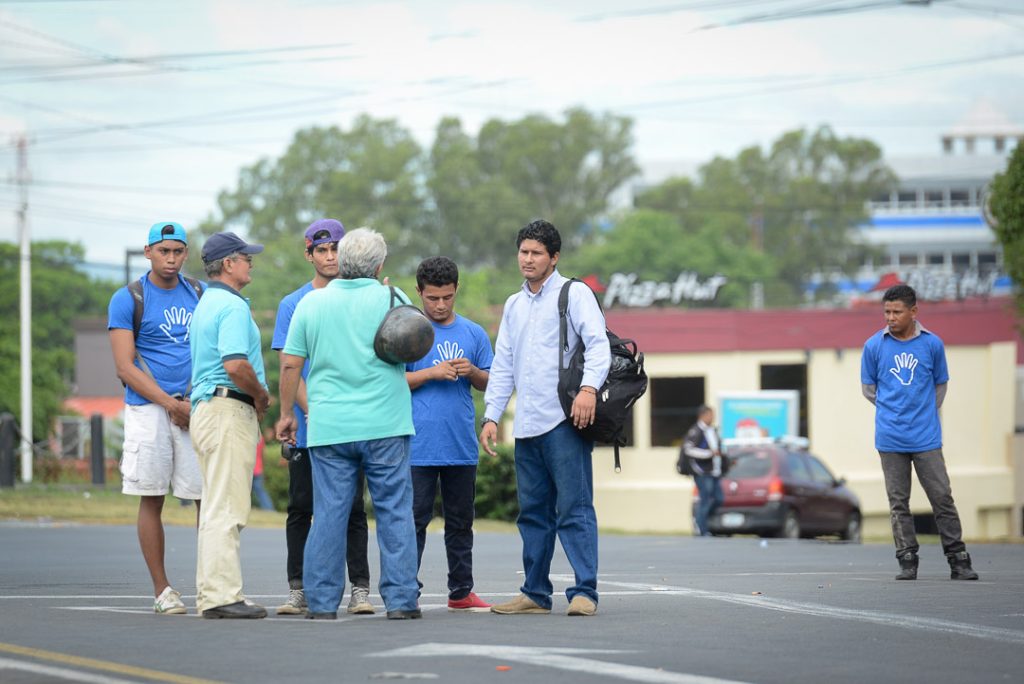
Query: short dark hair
(702, 409)
(901, 293)
(437, 271)
(544, 233)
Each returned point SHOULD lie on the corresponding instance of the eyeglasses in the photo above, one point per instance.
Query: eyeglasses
(247, 257)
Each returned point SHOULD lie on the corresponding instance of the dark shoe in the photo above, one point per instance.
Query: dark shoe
(321, 616)
(236, 611)
(414, 614)
(908, 566)
(960, 566)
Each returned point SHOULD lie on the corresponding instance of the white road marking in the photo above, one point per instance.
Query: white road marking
(59, 672)
(570, 659)
(872, 616)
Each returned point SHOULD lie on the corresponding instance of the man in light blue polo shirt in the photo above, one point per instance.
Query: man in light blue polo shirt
(360, 415)
(229, 397)
(904, 374)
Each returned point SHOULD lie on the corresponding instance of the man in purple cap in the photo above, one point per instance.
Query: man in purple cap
(322, 239)
(229, 398)
(148, 322)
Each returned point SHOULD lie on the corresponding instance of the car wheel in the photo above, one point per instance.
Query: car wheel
(851, 532)
(790, 526)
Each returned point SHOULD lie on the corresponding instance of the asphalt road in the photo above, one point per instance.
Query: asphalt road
(75, 606)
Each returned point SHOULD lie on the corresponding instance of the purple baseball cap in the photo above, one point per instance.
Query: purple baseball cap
(335, 231)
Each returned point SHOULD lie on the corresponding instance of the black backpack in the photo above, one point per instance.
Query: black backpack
(626, 380)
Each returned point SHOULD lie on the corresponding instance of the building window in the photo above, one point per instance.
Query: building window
(936, 259)
(674, 404)
(987, 262)
(907, 197)
(788, 377)
(960, 197)
(934, 198)
(908, 260)
(961, 261)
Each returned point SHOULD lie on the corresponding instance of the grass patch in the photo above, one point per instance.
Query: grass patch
(95, 505)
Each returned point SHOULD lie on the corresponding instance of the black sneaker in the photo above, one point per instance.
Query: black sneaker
(960, 566)
(321, 616)
(908, 566)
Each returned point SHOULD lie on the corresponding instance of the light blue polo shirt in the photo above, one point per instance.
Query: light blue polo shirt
(222, 330)
(353, 396)
(905, 373)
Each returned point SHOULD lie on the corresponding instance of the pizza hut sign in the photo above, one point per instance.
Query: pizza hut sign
(624, 289)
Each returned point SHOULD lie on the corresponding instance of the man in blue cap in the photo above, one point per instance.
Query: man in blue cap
(229, 398)
(148, 322)
(321, 243)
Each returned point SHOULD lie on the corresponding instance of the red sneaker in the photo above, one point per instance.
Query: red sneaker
(470, 604)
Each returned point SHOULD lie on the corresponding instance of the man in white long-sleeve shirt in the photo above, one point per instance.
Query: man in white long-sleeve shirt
(553, 461)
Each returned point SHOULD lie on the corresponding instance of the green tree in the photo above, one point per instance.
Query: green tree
(486, 189)
(799, 202)
(60, 293)
(367, 175)
(656, 246)
(1006, 204)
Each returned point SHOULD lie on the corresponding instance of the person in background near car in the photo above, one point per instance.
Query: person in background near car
(444, 447)
(321, 245)
(158, 454)
(703, 446)
(229, 398)
(904, 374)
(554, 470)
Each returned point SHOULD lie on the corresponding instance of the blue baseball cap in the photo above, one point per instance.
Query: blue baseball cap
(335, 231)
(220, 245)
(167, 230)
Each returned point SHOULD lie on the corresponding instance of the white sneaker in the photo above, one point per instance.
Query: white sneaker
(360, 602)
(169, 603)
(295, 605)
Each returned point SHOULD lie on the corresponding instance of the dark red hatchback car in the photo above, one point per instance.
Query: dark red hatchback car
(781, 490)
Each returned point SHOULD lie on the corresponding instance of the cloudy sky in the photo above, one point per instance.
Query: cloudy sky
(142, 110)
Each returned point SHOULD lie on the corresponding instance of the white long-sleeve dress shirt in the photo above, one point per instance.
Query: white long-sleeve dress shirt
(527, 351)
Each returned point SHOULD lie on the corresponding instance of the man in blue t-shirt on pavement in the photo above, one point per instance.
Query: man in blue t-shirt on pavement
(155, 368)
(904, 374)
(444, 447)
(322, 239)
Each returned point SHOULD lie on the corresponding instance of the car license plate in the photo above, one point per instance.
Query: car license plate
(732, 519)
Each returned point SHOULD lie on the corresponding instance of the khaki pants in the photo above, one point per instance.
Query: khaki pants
(224, 434)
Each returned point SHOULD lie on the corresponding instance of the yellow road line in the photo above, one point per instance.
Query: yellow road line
(103, 665)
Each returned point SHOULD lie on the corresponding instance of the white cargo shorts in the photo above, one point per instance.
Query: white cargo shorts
(158, 455)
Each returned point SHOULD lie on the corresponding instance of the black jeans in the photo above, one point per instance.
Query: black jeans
(458, 492)
(300, 517)
(931, 473)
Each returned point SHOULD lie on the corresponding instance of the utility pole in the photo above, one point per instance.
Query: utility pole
(25, 301)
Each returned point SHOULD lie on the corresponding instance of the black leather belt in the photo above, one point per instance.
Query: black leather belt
(228, 393)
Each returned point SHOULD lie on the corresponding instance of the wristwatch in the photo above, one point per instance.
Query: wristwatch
(487, 420)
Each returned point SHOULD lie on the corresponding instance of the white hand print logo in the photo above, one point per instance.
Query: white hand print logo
(904, 369)
(176, 315)
(448, 350)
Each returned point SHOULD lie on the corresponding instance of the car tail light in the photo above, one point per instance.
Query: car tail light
(775, 489)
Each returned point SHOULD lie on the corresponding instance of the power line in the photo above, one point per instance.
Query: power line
(99, 187)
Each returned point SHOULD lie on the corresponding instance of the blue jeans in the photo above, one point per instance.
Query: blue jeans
(263, 499)
(709, 488)
(555, 480)
(335, 473)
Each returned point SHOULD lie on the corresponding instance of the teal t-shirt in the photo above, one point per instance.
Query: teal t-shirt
(222, 330)
(353, 395)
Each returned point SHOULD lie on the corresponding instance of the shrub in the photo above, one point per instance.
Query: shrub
(496, 486)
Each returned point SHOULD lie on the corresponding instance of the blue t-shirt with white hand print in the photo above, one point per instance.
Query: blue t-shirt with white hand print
(163, 335)
(443, 411)
(905, 373)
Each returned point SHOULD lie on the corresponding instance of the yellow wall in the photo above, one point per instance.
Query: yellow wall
(978, 429)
